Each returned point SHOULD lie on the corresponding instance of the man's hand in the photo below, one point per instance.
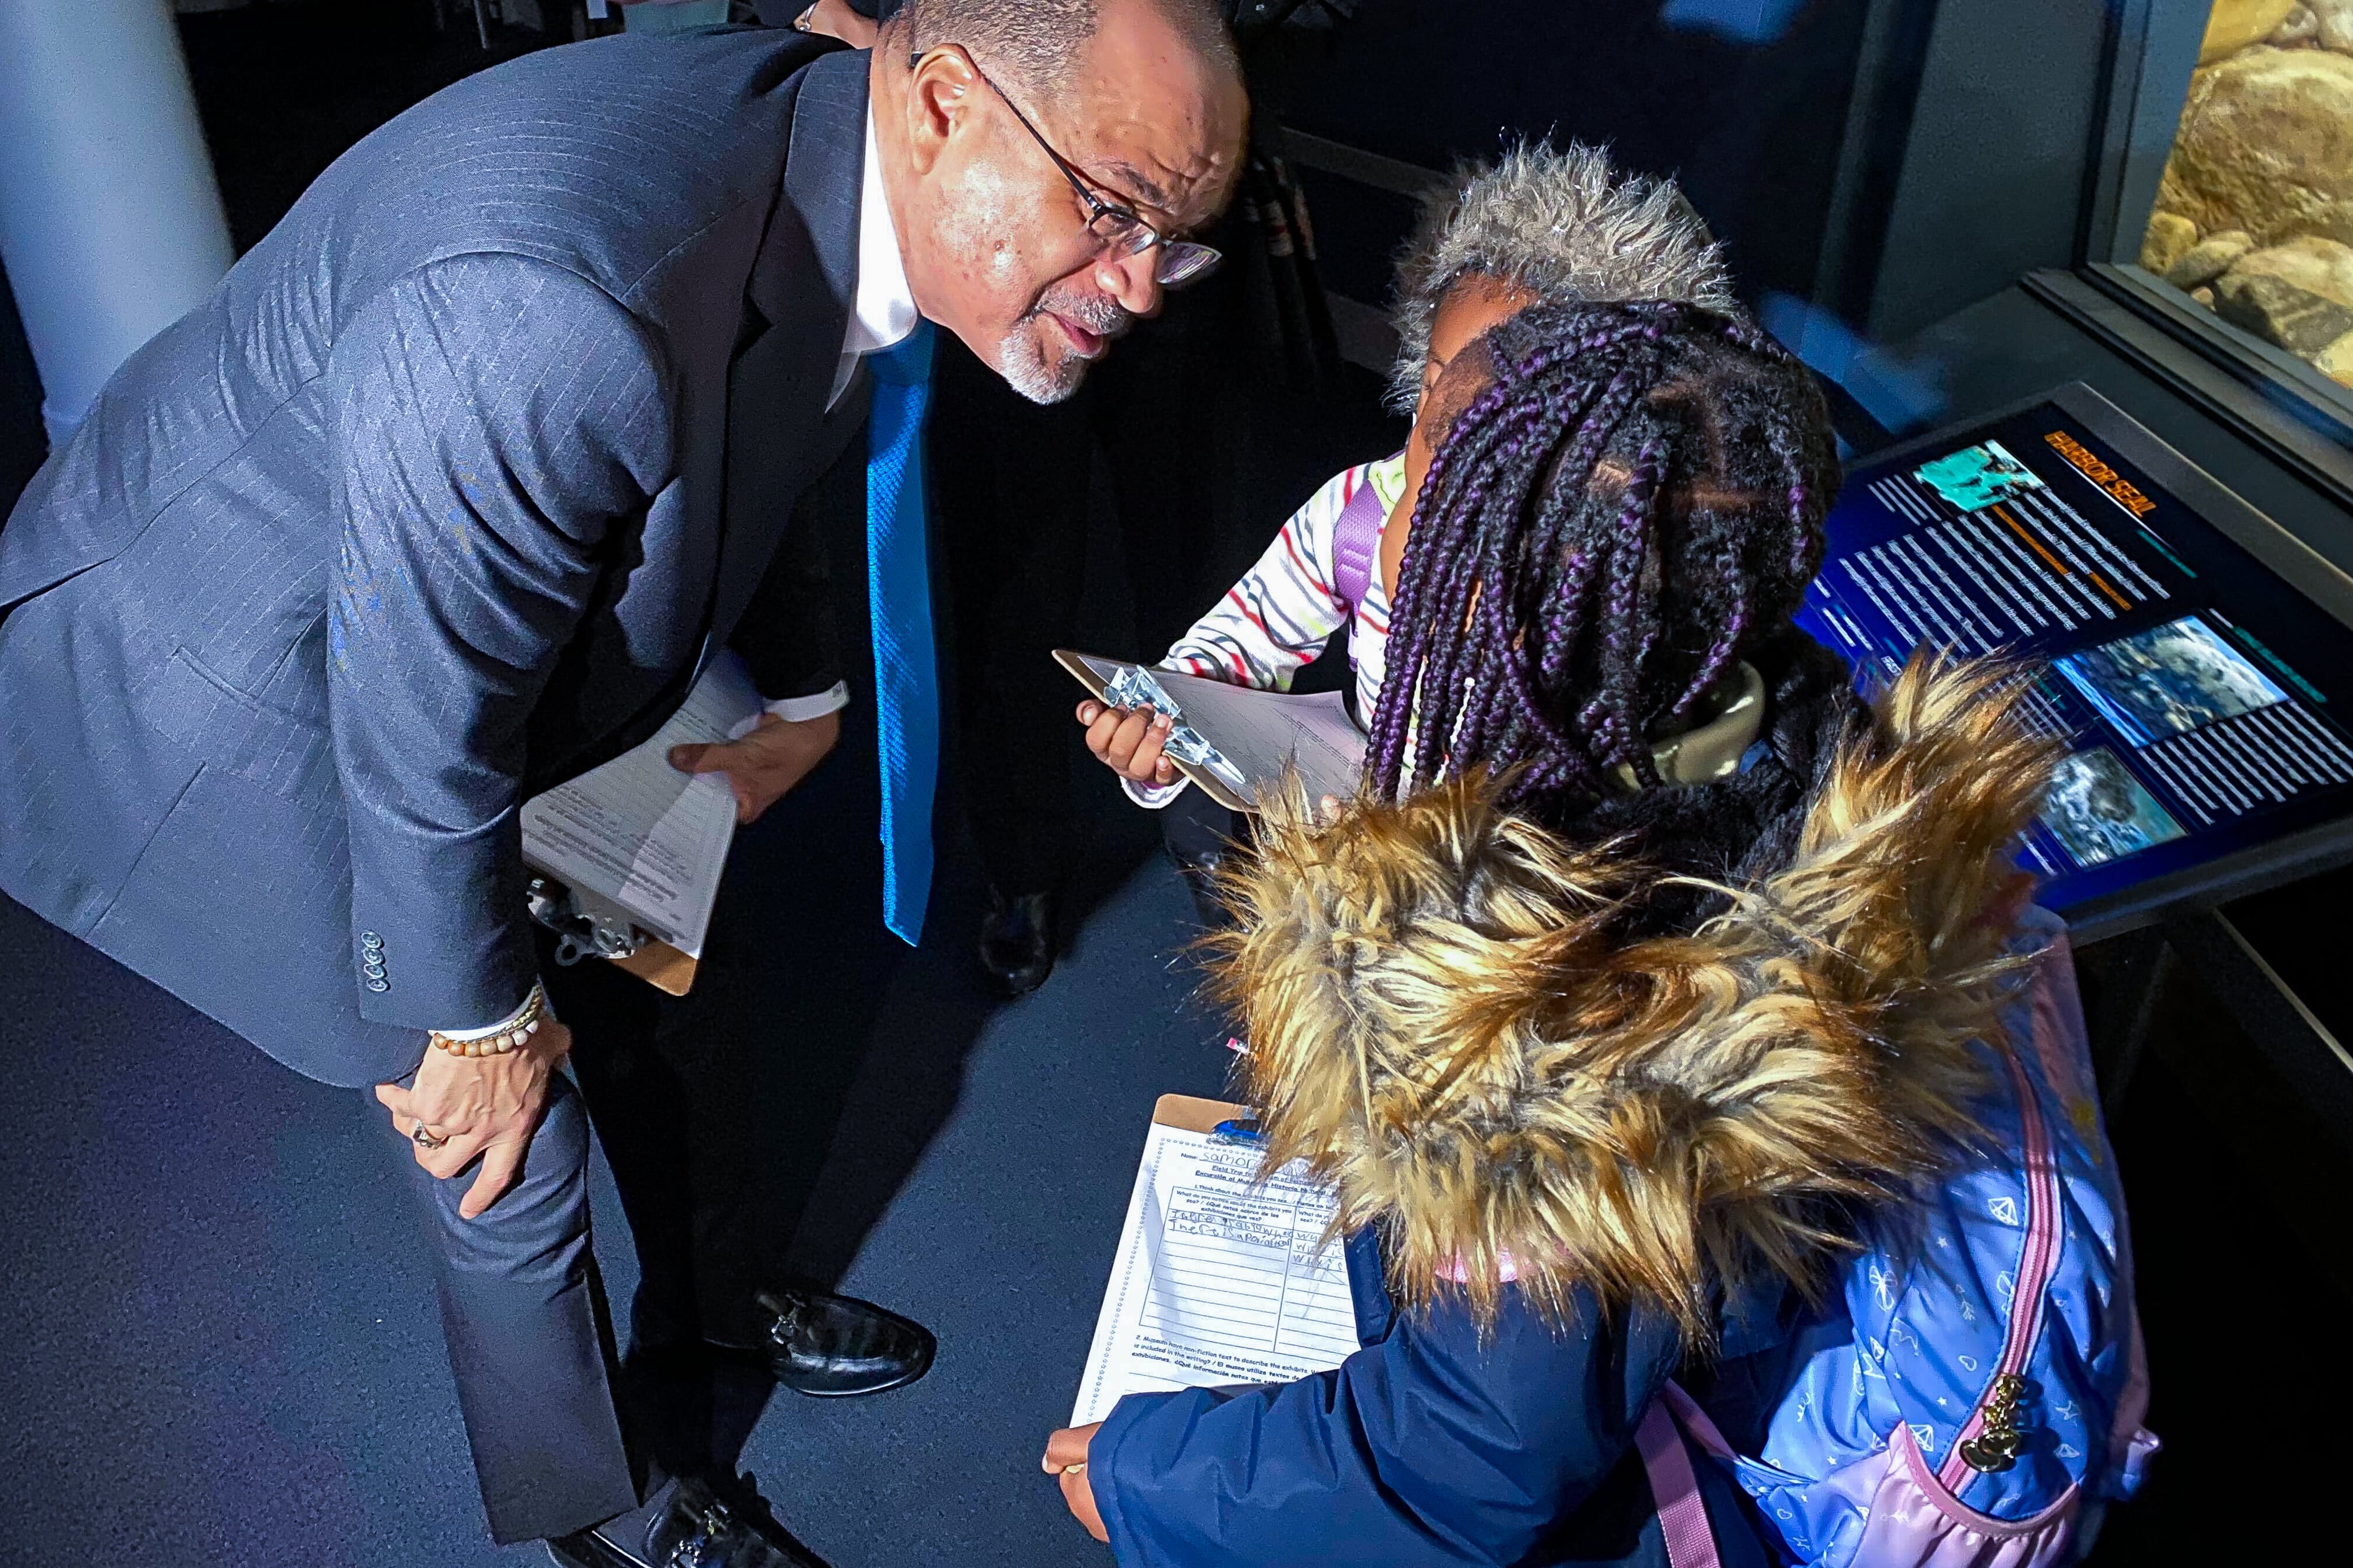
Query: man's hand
(766, 764)
(485, 1106)
(1066, 1461)
(835, 19)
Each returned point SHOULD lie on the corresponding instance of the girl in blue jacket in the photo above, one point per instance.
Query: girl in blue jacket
(1645, 965)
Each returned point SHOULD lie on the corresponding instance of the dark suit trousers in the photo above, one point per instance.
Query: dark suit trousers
(530, 1343)
(671, 1090)
(561, 1430)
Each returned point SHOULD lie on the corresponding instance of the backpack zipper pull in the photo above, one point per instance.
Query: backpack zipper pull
(1998, 1446)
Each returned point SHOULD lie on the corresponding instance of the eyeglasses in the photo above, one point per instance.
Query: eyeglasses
(1115, 227)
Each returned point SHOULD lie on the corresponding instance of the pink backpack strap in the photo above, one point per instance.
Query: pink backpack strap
(1356, 541)
(1674, 1485)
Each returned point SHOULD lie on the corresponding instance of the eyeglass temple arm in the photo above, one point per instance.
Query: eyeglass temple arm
(1096, 206)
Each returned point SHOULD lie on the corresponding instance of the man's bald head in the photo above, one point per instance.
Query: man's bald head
(1037, 43)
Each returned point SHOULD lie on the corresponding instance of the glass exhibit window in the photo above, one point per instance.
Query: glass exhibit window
(2253, 219)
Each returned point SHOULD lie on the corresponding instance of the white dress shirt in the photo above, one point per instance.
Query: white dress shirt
(882, 315)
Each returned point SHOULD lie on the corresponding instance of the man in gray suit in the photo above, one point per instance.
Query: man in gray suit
(448, 493)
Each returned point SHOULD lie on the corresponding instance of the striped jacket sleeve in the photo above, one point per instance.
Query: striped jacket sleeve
(1278, 617)
(1275, 620)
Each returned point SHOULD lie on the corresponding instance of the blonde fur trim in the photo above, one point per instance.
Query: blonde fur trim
(1443, 1024)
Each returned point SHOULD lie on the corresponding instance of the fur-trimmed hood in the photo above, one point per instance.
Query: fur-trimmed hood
(1449, 1019)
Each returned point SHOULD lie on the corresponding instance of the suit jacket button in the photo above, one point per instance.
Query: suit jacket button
(369, 939)
(372, 971)
(379, 984)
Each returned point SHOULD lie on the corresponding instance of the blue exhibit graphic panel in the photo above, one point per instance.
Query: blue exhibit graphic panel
(2205, 700)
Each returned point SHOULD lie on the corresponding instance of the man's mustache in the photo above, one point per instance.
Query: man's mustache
(1097, 313)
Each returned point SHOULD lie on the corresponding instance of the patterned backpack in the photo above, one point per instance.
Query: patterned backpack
(1978, 1401)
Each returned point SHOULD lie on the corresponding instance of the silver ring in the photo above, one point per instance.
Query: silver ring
(804, 22)
(425, 1137)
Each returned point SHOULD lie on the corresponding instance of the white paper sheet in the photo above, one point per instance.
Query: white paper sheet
(639, 834)
(1262, 732)
(1217, 1279)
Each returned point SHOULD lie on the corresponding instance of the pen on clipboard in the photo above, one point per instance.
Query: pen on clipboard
(1238, 1129)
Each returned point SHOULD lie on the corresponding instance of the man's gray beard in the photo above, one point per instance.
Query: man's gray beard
(1022, 361)
(1021, 358)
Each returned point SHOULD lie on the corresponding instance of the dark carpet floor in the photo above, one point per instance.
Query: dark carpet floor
(222, 1346)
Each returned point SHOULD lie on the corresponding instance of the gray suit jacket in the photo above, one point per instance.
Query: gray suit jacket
(444, 496)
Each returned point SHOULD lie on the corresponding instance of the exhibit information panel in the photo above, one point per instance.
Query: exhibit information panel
(2204, 698)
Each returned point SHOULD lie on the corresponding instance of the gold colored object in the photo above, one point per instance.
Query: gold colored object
(510, 1038)
(1711, 749)
(1999, 1444)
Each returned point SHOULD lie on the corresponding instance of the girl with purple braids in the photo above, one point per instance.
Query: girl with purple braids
(1595, 597)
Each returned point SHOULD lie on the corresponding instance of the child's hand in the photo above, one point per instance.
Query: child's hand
(1128, 740)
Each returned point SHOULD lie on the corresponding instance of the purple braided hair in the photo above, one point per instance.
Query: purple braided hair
(1629, 505)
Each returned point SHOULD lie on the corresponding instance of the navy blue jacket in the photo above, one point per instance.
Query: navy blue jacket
(443, 496)
(1426, 1447)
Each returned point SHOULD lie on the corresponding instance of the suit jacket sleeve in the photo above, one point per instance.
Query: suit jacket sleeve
(492, 416)
(1430, 1448)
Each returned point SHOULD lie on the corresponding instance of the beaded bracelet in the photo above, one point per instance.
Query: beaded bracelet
(510, 1038)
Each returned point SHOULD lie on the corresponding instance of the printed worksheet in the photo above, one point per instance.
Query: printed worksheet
(639, 834)
(1219, 1277)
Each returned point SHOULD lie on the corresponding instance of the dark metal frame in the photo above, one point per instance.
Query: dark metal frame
(2152, 47)
(2189, 353)
(2304, 1051)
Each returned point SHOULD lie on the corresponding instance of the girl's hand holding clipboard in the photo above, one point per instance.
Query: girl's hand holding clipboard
(1129, 741)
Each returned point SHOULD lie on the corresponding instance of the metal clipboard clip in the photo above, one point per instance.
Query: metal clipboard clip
(586, 925)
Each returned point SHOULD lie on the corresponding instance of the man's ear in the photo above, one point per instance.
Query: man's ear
(941, 99)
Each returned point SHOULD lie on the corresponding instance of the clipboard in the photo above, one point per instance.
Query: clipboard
(628, 855)
(662, 966)
(666, 968)
(1205, 780)
(1224, 1274)
(1190, 1113)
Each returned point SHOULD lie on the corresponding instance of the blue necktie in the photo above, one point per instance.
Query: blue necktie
(898, 594)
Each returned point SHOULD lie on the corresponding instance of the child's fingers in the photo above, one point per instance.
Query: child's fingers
(1125, 739)
(1145, 762)
(1129, 741)
(1102, 728)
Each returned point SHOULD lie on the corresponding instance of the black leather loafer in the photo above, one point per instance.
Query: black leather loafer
(693, 1527)
(836, 1347)
(1017, 942)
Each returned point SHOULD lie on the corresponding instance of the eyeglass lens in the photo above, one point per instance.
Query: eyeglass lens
(1182, 262)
